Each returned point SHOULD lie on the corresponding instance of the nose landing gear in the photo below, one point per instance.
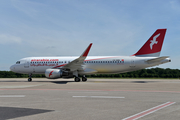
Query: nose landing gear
(30, 79)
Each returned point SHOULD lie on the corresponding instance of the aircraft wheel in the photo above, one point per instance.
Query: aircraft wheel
(29, 79)
(84, 79)
(77, 79)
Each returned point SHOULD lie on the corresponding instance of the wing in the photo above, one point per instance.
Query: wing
(77, 64)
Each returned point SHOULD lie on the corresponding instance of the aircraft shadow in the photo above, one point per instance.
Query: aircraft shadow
(123, 81)
(56, 82)
(71, 81)
(13, 112)
(61, 82)
(143, 81)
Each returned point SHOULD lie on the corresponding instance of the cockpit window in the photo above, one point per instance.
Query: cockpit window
(18, 62)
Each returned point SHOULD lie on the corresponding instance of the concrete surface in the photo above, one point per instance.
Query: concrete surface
(96, 99)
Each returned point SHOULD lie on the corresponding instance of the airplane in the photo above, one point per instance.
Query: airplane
(72, 67)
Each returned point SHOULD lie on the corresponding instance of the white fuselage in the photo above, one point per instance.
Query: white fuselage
(91, 65)
(68, 67)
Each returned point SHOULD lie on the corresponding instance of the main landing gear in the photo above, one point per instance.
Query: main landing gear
(30, 79)
(77, 79)
(84, 79)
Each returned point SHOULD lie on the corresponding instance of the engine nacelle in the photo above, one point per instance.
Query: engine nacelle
(56, 73)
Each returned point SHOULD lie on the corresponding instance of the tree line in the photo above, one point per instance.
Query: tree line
(144, 73)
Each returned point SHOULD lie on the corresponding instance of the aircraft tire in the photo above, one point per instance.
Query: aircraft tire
(77, 79)
(84, 79)
(29, 79)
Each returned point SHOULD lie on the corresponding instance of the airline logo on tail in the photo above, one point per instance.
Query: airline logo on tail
(154, 41)
(152, 47)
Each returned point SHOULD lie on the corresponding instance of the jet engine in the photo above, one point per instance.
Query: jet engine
(56, 73)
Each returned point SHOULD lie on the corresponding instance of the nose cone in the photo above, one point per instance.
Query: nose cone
(12, 68)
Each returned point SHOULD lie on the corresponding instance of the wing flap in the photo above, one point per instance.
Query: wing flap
(88, 71)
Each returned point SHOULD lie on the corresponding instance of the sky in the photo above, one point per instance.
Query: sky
(66, 27)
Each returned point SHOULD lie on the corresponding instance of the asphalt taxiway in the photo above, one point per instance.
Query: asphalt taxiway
(96, 99)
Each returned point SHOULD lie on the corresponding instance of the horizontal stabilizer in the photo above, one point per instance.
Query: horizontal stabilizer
(159, 59)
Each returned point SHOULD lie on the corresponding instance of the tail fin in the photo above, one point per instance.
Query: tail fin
(152, 47)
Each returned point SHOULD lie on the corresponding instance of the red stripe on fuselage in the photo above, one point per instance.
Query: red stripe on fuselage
(59, 66)
(87, 60)
(101, 58)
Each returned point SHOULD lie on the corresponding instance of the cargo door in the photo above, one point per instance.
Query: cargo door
(26, 64)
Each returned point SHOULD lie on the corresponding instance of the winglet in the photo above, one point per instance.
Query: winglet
(77, 63)
(85, 53)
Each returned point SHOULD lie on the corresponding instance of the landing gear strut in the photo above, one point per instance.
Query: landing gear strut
(30, 79)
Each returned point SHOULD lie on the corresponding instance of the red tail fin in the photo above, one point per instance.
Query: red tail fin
(152, 47)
